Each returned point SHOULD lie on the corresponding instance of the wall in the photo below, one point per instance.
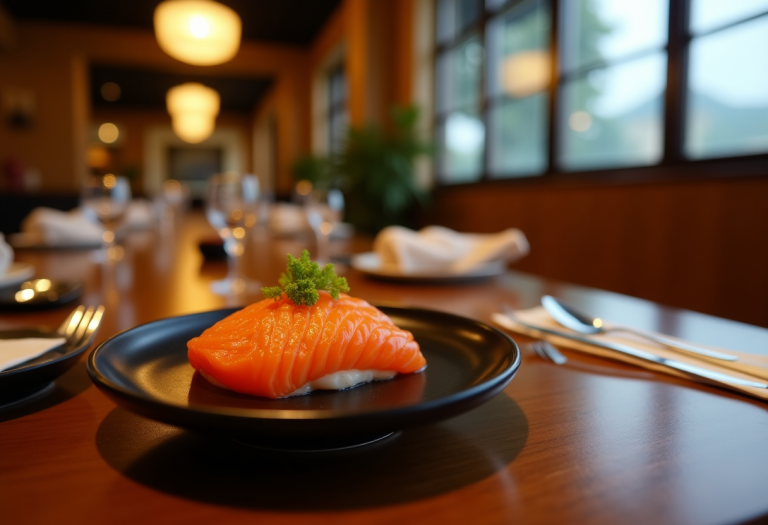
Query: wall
(378, 63)
(51, 60)
(700, 244)
(48, 144)
(135, 123)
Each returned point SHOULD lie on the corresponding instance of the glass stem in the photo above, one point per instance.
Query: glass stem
(108, 239)
(323, 247)
(234, 249)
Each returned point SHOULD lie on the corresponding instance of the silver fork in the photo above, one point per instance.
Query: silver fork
(81, 325)
(547, 350)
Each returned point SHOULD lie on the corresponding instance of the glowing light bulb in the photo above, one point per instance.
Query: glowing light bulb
(199, 32)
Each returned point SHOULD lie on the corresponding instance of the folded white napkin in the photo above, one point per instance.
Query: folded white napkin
(50, 227)
(6, 255)
(439, 249)
(59, 228)
(290, 219)
(749, 366)
(287, 219)
(140, 215)
(15, 351)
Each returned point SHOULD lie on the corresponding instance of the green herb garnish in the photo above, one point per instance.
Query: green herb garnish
(303, 279)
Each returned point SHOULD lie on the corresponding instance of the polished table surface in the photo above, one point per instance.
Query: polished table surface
(587, 442)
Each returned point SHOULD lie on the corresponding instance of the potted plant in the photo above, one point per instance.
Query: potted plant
(375, 169)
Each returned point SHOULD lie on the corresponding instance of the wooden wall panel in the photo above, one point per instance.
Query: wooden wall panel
(700, 245)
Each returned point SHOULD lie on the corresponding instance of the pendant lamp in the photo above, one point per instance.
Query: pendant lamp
(198, 32)
(193, 108)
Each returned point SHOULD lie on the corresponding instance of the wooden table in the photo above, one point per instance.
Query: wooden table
(588, 442)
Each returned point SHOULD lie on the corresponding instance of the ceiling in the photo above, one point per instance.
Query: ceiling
(294, 22)
(291, 22)
(146, 89)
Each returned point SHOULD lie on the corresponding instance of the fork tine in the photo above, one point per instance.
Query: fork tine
(552, 352)
(71, 321)
(93, 325)
(77, 337)
(537, 348)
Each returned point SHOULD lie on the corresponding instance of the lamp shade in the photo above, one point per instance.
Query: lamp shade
(193, 127)
(199, 32)
(192, 98)
(193, 108)
(525, 73)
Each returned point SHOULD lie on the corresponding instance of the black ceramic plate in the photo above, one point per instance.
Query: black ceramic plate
(33, 377)
(146, 370)
(59, 293)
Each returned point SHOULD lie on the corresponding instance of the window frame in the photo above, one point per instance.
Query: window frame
(673, 165)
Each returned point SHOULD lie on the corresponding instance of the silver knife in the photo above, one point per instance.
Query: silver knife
(715, 377)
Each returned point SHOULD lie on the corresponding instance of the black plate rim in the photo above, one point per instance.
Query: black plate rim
(131, 397)
(32, 379)
(4, 374)
(74, 293)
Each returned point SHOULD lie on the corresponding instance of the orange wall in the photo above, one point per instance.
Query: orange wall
(51, 61)
(133, 123)
(48, 72)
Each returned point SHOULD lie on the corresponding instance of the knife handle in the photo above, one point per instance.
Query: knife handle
(677, 345)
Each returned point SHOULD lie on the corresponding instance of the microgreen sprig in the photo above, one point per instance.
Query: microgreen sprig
(303, 279)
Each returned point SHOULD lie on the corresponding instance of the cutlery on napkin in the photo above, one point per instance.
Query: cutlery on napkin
(442, 250)
(13, 352)
(749, 366)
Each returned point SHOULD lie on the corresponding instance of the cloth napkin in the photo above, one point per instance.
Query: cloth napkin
(442, 250)
(15, 351)
(6, 255)
(140, 215)
(59, 228)
(51, 227)
(287, 219)
(749, 366)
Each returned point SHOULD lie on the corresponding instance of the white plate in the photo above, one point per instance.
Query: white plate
(370, 264)
(17, 273)
(32, 241)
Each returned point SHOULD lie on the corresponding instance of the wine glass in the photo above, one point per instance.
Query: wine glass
(231, 206)
(107, 199)
(324, 209)
(170, 202)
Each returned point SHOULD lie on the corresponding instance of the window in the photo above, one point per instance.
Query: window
(506, 108)
(727, 97)
(613, 71)
(337, 108)
(517, 85)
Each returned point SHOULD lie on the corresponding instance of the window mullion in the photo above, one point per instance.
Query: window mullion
(554, 53)
(484, 100)
(677, 76)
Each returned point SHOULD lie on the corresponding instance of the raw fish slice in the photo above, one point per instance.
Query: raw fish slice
(278, 349)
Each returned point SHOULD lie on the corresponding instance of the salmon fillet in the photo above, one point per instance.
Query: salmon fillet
(277, 349)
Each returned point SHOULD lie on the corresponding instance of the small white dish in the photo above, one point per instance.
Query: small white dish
(370, 264)
(17, 273)
(26, 240)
